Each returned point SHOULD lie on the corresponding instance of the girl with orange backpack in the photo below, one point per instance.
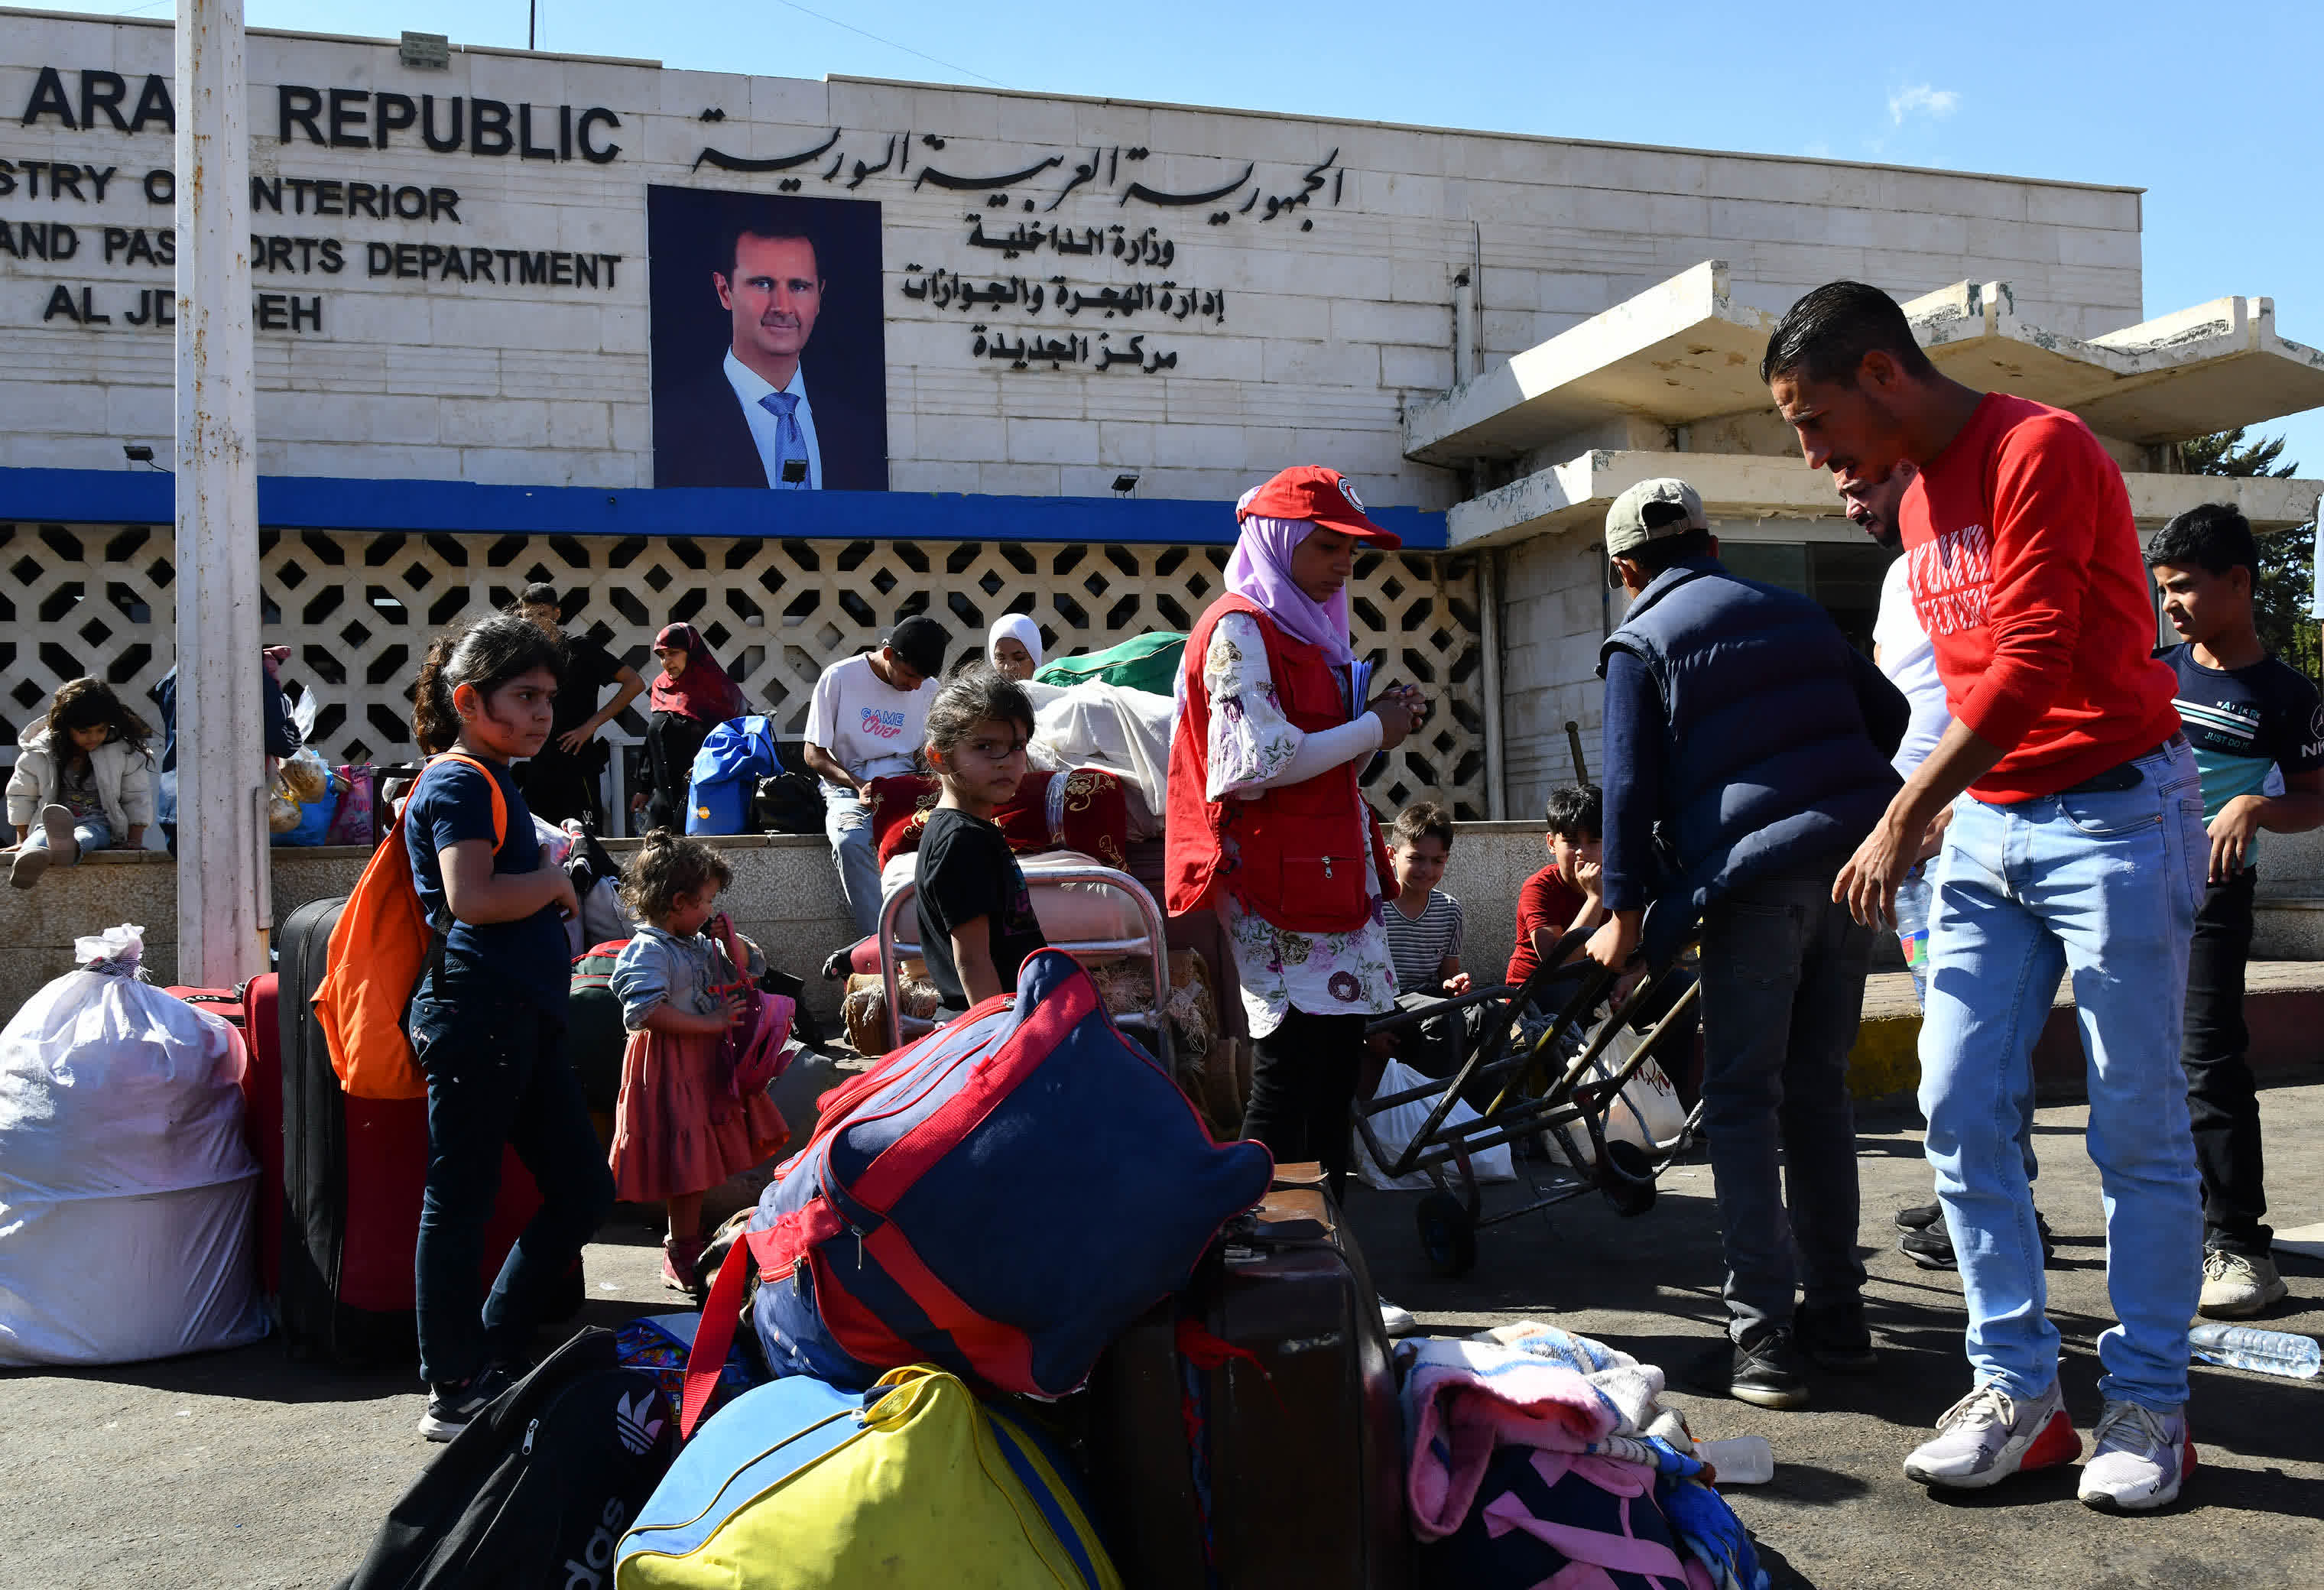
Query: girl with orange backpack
(487, 1019)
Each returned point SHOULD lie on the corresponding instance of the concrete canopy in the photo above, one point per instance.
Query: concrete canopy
(1685, 351)
(2211, 368)
(1575, 494)
(1679, 352)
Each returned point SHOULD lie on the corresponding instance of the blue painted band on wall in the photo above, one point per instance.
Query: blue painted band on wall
(314, 502)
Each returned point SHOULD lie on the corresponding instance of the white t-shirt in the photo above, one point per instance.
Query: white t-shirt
(1911, 664)
(869, 726)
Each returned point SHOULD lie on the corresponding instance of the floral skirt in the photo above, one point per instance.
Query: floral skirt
(676, 1132)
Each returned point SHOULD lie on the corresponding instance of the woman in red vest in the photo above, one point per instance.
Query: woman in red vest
(1267, 825)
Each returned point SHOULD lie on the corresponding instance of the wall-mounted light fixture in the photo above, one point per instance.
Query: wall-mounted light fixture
(1125, 483)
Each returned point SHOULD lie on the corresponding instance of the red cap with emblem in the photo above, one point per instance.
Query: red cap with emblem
(1311, 491)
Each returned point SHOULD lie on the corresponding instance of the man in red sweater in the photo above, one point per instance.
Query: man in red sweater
(2075, 845)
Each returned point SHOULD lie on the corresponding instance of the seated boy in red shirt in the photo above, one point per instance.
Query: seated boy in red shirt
(1564, 894)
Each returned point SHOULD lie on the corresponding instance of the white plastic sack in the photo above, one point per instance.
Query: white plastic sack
(1646, 1112)
(1396, 1127)
(127, 1193)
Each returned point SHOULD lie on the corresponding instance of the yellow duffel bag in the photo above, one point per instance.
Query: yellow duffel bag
(911, 1486)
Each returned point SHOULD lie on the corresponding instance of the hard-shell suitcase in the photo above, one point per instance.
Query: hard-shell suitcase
(353, 1172)
(1249, 1428)
(251, 1009)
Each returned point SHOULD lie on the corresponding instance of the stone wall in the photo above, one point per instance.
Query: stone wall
(1554, 613)
(785, 897)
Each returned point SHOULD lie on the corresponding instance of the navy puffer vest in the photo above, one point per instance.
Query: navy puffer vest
(1771, 766)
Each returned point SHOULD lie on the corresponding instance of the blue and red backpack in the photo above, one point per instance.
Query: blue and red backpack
(1000, 1199)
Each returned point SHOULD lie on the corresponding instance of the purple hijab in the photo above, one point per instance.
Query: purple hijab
(1260, 570)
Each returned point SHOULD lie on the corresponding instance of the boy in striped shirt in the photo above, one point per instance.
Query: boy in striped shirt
(2248, 716)
(1424, 926)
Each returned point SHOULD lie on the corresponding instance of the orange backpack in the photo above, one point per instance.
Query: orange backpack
(381, 945)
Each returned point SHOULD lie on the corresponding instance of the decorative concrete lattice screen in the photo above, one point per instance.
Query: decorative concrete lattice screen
(356, 609)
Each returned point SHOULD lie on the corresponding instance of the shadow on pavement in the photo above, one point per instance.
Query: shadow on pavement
(260, 1373)
(1781, 1574)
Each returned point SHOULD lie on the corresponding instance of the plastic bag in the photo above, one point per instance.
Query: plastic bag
(1648, 1111)
(127, 1193)
(314, 824)
(1396, 1128)
(306, 776)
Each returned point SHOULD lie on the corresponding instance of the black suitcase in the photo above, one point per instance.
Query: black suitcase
(1263, 1448)
(354, 1170)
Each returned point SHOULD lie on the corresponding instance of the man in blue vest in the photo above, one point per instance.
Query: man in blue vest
(1746, 756)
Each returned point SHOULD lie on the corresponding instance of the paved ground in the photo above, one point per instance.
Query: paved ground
(240, 1469)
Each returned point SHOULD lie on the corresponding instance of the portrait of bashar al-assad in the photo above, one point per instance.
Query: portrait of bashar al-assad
(788, 393)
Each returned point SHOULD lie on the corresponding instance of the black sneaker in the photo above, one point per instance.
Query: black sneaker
(1837, 1338)
(1769, 1371)
(452, 1406)
(1933, 1248)
(1920, 1217)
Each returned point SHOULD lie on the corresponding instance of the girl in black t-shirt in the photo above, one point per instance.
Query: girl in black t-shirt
(976, 914)
(487, 1022)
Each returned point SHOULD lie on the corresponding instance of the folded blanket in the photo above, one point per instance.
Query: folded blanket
(1633, 1389)
(1517, 1384)
(1462, 1399)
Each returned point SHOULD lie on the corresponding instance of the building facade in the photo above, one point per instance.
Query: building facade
(510, 309)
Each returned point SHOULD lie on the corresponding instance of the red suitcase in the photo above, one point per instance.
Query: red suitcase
(1249, 1428)
(351, 1173)
(251, 1008)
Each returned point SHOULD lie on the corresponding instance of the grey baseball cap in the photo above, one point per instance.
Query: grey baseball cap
(1650, 511)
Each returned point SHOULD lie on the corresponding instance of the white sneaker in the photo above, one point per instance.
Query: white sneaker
(1399, 1321)
(1988, 1435)
(2236, 1286)
(2138, 1461)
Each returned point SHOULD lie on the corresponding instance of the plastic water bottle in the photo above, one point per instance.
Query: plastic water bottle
(2263, 1352)
(1739, 1460)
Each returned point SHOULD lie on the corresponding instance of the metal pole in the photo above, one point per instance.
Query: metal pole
(220, 853)
(1489, 644)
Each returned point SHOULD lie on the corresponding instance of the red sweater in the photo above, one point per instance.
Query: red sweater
(2025, 568)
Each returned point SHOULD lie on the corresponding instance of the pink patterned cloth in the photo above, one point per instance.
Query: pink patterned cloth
(1465, 1397)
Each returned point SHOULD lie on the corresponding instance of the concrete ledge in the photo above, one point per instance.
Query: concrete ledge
(2283, 1006)
(1575, 494)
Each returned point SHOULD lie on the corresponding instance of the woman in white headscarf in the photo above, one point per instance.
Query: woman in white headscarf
(1013, 646)
(1267, 824)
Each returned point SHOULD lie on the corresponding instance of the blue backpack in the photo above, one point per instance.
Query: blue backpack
(1000, 1199)
(726, 772)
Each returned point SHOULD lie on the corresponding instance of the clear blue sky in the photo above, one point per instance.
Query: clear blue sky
(2213, 111)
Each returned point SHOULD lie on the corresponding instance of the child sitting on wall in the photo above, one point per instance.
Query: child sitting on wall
(83, 782)
(1424, 926)
(1566, 894)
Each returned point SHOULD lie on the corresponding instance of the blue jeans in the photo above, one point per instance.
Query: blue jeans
(847, 824)
(1916, 898)
(497, 1075)
(91, 834)
(2103, 885)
